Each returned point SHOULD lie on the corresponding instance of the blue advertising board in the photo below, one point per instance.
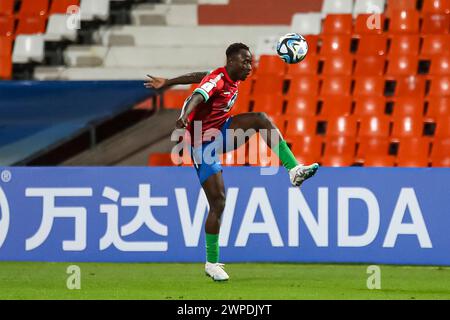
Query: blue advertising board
(138, 214)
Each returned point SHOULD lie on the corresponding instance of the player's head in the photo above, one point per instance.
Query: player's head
(239, 61)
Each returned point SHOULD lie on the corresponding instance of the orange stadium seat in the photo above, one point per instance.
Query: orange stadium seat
(372, 45)
(436, 6)
(5, 57)
(245, 88)
(174, 99)
(372, 147)
(6, 26)
(443, 128)
(336, 85)
(369, 66)
(279, 121)
(333, 106)
(301, 106)
(369, 106)
(242, 105)
(304, 126)
(395, 5)
(408, 106)
(304, 85)
(160, 159)
(270, 103)
(379, 161)
(33, 8)
(338, 24)
(309, 66)
(60, 6)
(440, 153)
(435, 44)
(312, 41)
(7, 7)
(31, 25)
(440, 65)
(268, 84)
(339, 65)
(369, 86)
(307, 149)
(404, 44)
(374, 127)
(270, 65)
(339, 151)
(342, 126)
(407, 127)
(335, 44)
(413, 152)
(362, 28)
(404, 22)
(410, 86)
(440, 86)
(434, 23)
(402, 66)
(437, 108)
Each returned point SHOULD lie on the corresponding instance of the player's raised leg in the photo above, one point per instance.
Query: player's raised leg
(215, 193)
(258, 121)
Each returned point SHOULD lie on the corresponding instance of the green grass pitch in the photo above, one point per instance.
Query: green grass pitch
(30, 280)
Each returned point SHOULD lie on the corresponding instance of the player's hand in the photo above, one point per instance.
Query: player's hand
(155, 82)
(181, 123)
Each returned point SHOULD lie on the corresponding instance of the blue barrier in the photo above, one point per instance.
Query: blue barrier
(354, 215)
(37, 114)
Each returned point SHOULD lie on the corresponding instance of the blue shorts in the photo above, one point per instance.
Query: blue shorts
(206, 159)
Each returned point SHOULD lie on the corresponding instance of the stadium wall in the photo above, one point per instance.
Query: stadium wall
(342, 215)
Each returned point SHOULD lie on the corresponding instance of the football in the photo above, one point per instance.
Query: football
(292, 48)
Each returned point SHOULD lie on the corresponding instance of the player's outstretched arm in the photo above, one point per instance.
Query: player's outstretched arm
(189, 106)
(159, 83)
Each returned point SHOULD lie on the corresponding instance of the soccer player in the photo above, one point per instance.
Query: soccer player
(210, 104)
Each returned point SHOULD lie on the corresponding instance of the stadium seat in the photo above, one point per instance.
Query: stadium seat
(339, 151)
(371, 147)
(94, 9)
(279, 121)
(437, 108)
(301, 106)
(174, 99)
(245, 88)
(307, 23)
(413, 152)
(338, 24)
(61, 6)
(304, 126)
(435, 45)
(242, 105)
(369, 24)
(440, 65)
(404, 45)
(7, 7)
(28, 48)
(440, 86)
(440, 153)
(268, 84)
(312, 41)
(369, 66)
(307, 149)
(404, 22)
(396, 5)
(342, 126)
(434, 23)
(270, 103)
(408, 106)
(372, 45)
(335, 85)
(407, 127)
(443, 128)
(160, 160)
(337, 7)
(5, 57)
(57, 29)
(369, 86)
(333, 106)
(369, 106)
(410, 86)
(304, 85)
(402, 66)
(335, 44)
(379, 161)
(368, 7)
(31, 25)
(374, 127)
(339, 65)
(33, 8)
(436, 6)
(270, 65)
(6, 26)
(309, 66)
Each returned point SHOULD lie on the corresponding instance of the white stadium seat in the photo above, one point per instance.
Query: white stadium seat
(337, 7)
(368, 6)
(94, 9)
(162, 14)
(58, 30)
(85, 56)
(307, 23)
(28, 48)
(267, 45)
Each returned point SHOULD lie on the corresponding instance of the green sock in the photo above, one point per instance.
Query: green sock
(285, 154)
(212, 248)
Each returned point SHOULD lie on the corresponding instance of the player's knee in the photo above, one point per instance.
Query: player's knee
(218, 203)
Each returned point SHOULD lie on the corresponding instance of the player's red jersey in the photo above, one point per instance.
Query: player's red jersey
(220, 93)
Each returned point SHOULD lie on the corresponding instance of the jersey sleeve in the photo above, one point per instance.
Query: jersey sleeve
(210, 84)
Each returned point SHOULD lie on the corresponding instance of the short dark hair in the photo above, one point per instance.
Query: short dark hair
(235, 48)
